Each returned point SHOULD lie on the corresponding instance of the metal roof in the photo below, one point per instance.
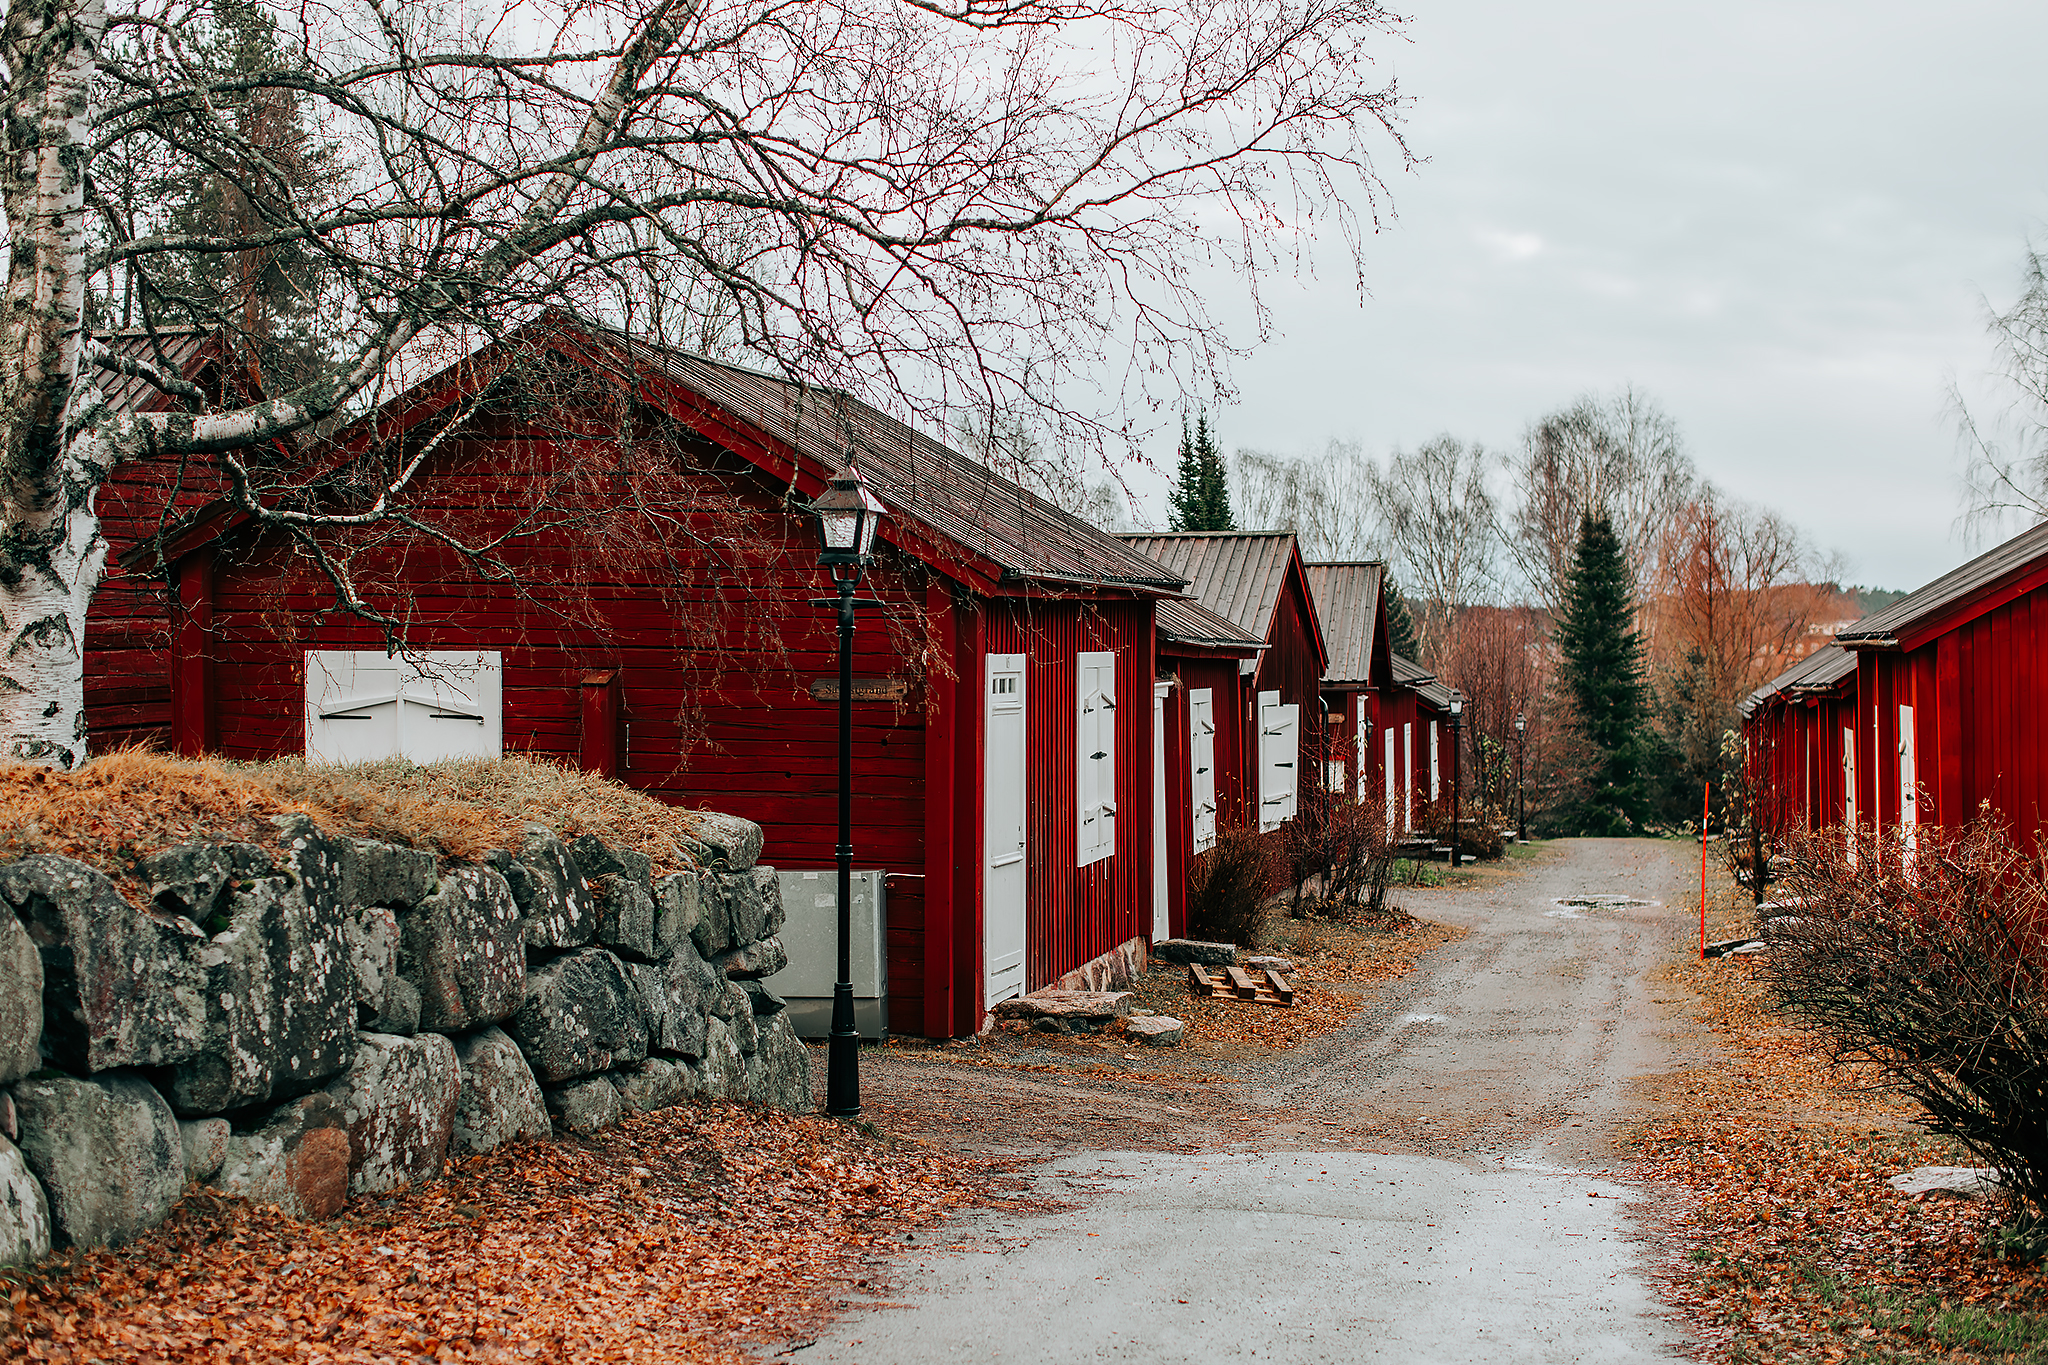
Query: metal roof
(916, 476)
(2017, 554)
(1236, 574)
(1347, 598)
(1817, 672)
(1422, 682)
(1185, 620)
(182, 352)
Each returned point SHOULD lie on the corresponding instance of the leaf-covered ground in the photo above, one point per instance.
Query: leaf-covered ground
(677, 1236)
(1792, 1246)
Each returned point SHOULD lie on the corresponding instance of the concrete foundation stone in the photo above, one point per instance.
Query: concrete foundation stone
(297, 1160)
(500, 1101)
(107, 1153)
(21, 1002)
(581, 1015)
(464, 950)
(585, 1106)
(779, 1072)
(398, 1102)
(24, 1212)
(121, 986)
(205, 1142)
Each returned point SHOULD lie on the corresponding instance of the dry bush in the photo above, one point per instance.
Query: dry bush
(1228, 886)
(1481, 835)
(1930, 963)
(1340, 847)
(130, 803)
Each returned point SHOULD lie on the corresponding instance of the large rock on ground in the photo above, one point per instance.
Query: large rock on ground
(500, 1101)
(1156, 1030)
(678, 911)
(107, 1152)
(779, 1072)
(733, 842)
(298, 1160)
(385, 1001)
(398, 1102)
(691, 987)
(390, 875)
(1185, 950)
(656, 1083)
(585, 1106)
(723, 1073)
(281, 988)
(582, 1015)
(1067, 1011)
(21, 1003)
(464, 949)
(550, 890)
(24, 1212)
(121, 986)
(206, 1146)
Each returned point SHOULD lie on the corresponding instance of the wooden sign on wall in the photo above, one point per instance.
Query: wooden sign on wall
(864, 689)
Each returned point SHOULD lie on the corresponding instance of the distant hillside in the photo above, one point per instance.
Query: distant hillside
(1869, 600)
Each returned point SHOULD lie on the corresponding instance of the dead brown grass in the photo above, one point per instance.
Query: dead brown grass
(130, 803)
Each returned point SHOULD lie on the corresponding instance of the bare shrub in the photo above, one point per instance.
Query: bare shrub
(1929, 962)
(1336, 854)
(1228, 886)
(1480, 834)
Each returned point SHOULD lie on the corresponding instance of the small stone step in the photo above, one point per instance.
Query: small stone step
(1270, 964)
(1066, 1011)
(1186, 950)
(1155, 1030)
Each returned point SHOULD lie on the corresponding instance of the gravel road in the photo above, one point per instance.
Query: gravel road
(1429, 1184)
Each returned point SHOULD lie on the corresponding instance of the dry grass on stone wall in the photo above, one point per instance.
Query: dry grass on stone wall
(129, 803)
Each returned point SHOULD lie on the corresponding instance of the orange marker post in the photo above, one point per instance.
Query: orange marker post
(1706, 800)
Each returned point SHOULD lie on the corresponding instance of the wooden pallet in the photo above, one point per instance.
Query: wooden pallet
(1235, 983)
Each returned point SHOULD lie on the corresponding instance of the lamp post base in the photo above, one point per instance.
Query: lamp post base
(842, 1057)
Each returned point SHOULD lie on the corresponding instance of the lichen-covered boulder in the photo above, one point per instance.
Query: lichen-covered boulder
(722, 1075)
(768, 886)
(626, 916)
(755, 960)
(678, 909)
(585, 1106)
(24, 1211)
(464, 949)
(298, 1159)
(582, 1015)
(734, 842)
(738, 897)
(187, 879)
(385, 1001)
(648, 982)
(205, 1142)
(550, 890)
(500, 1101)
(280, 1006)
(779, 1072)
(398, 1103)
(106, 1151)
(656, 1083)
(738, 1014)
(599, 859)
(690, 986)
(761, 1000)
(121, 986)
(390, 875)
(21, 1002)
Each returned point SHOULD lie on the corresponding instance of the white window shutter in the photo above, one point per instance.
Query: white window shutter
(364, 705)
(1202, 765)
(1094, 757)
(1279, 759)
(1436, 791)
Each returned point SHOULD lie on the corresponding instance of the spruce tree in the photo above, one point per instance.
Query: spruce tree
(1184, 505)
(1400, 623)
(1601, 673)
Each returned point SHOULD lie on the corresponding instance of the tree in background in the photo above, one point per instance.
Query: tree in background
(2006, 474)
(1200, 499)
(1401, 636)
(1437, 518)
(1600, 677)
(1326, 500)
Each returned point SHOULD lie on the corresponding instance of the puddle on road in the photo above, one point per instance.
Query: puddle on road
(1425, 1019)
(1568, 904)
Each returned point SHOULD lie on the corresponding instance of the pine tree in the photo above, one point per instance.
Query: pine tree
(1400, 623)
(1200, 498)
(1601, 673)
(1184, 503)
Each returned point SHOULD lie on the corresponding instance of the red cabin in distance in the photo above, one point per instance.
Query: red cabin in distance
(1349, 605)
(655, 622)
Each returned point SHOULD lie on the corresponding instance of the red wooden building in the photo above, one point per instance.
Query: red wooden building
(1256, 582)
(648, 614)
(1934, 705)
(1348, 599)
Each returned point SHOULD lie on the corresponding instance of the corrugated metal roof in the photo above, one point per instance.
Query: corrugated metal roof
(1236, 574)
(1347, 598)
(1817, 672)
(1188, 621)
(180, 352)
(1422, 682)
(1952, 587)
(916, 476)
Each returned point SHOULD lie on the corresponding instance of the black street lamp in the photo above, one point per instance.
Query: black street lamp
(1521, 787)
(848, 516)
(1457, 707)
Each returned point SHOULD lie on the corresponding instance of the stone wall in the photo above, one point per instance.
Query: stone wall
(328, 1017)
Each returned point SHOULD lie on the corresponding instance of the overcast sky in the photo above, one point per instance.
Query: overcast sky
(1777, 218)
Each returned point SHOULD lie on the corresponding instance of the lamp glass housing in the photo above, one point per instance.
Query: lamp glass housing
(1521, 722)
(848, 517)
(1457, 704)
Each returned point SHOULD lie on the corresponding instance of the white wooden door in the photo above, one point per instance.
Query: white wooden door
(363, 705)
(1408, 777)
(1909, 786)
(1391, 775)
(1202, 767)
(1849, 791)
(1003, 868)
(1435, 772)
(1358, 738)
(1160, 927)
